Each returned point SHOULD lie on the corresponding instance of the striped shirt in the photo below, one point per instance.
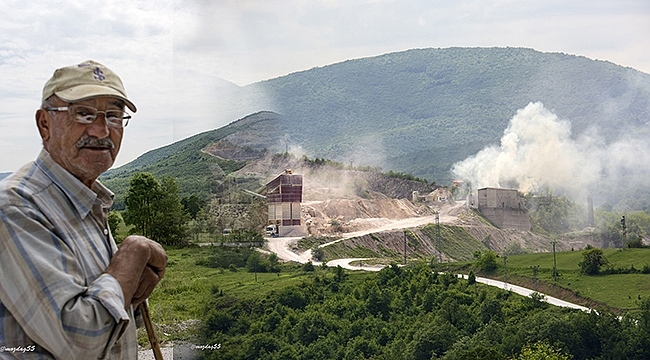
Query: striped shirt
(55, 301)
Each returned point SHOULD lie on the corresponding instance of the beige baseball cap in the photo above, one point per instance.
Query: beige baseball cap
(84, 81)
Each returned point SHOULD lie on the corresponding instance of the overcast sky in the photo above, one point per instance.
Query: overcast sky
(169, 53)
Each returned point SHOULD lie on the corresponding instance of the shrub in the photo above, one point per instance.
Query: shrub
(593, 259)
(487, 261)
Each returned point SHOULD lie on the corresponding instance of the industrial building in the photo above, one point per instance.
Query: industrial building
(505, 208)
(439, 196)
(283, 196)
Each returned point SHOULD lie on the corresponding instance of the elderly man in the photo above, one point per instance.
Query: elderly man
(66, 291)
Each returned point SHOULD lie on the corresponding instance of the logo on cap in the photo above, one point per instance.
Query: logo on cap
(99, 75)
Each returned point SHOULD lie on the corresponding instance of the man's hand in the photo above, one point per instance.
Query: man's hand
(148, 282)
(138, 266)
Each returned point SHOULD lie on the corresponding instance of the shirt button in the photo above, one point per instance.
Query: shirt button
(105, 231)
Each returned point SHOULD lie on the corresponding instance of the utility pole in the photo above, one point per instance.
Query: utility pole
(624, 228)
(505, 272)
(437, 220)
(404, 248)
(535, 271)
(554, 262)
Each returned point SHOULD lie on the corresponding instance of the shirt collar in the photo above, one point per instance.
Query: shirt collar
(79, 194)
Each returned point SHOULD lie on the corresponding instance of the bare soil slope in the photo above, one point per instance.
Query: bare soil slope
(336, 216)
(349, 205)
(378, 227)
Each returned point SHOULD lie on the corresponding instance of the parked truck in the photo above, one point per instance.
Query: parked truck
(272, 230)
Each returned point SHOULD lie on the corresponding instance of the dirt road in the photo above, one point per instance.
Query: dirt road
(283, 246)
(446, 216)
(345, 263)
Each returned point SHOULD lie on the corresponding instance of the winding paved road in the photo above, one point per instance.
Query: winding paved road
(345, 263)
(282, 247)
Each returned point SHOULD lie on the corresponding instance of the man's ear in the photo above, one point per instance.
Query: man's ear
(43, 122)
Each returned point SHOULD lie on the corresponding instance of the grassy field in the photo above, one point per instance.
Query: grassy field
(618, 291)
(182, 295)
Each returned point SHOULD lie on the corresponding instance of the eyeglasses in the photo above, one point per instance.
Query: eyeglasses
(87, 115)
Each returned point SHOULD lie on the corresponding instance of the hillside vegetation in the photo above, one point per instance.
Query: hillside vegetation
(397, 313)
(196, 171)
(419, 111)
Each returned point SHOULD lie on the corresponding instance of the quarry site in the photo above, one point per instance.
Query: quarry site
(356, 219)
(366, 223)
(367, 210)
(346, 211)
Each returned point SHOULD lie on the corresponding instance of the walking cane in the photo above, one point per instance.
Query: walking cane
(151, 332)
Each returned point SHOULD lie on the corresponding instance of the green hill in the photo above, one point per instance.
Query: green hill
(196, 171)
(417, 112)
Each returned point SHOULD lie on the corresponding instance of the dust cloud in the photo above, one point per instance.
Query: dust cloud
(538, 151)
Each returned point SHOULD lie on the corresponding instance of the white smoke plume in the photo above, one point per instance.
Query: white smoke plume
(538, 151)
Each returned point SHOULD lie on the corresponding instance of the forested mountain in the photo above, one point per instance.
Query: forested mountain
(418, 111)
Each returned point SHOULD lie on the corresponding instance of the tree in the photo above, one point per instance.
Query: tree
(254, 263)
(471, 279)
(593, 259)
(192, 205)
(114, 220)
(535, 301)
(610, 228)
(171, 218)
(142, 199)
(200, 224)
(644, 323)
(339, 274)
(274, 263)
(491, 309)
(308, 267)
(155, 209)
(557, 215)
(541, 351)
(317, 253)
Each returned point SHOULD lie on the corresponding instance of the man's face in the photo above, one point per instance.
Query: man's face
(73, 145)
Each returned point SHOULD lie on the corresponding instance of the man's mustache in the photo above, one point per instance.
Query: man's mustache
(93, 142)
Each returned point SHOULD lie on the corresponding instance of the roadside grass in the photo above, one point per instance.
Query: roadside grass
(621, 291)
(311, 242)
(616, 292)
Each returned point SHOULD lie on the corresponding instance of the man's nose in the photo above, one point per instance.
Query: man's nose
(99, 127)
